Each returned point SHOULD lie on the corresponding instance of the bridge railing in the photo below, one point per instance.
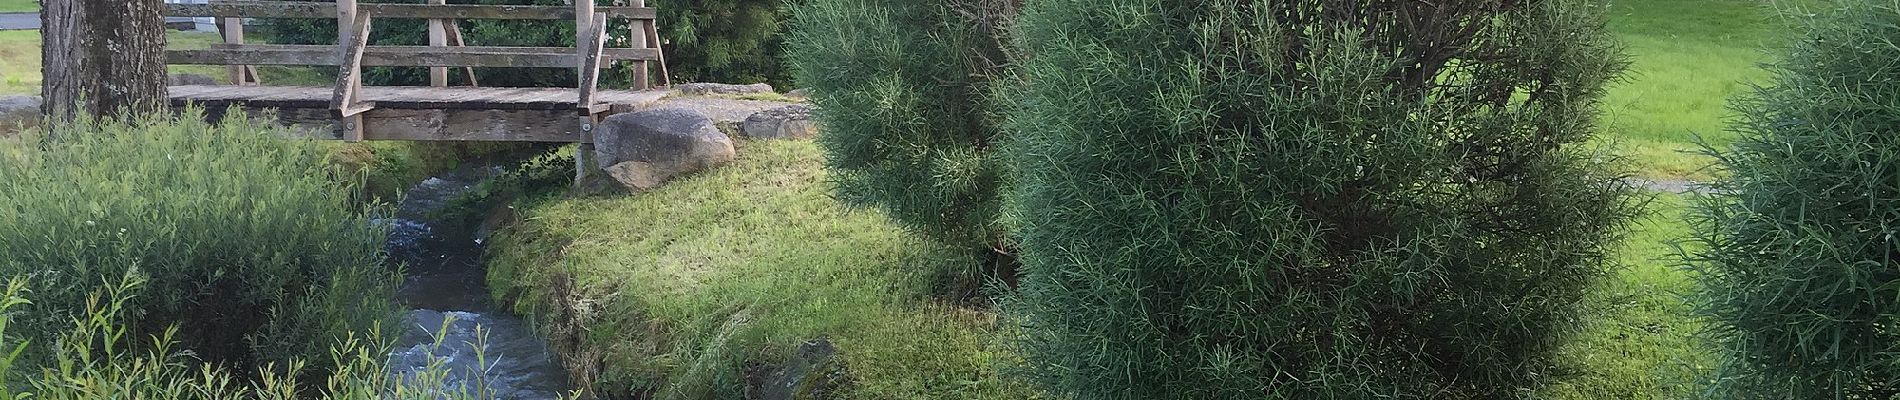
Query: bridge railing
(352, 52)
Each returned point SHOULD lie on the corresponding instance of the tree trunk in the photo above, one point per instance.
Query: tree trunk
(61, 29)
(103, 57)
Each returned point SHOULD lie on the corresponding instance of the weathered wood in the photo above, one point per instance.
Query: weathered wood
(233, 32)
(638, 39)
(554, 126)
(405, 97)
(592, 39)
(400, 56)
(347, 104)
(438, 37)
(324, 10)
(455, 39)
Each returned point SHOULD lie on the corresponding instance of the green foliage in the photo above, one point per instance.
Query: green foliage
(906, 93)
(1799, 275)
(98, 358)
(1309, 199)
(727, 41)
(245, 241)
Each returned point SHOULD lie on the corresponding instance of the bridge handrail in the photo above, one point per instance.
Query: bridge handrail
(353, 52)
(327, 10)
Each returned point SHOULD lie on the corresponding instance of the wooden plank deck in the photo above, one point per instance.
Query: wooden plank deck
(420, 113)
(406, 97)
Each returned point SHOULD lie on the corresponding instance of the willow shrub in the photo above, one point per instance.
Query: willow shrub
(905, 95)
(1309, 199)
(1799, 238)
(245, 240)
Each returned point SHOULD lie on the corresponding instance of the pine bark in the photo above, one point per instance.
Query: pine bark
(103, 57)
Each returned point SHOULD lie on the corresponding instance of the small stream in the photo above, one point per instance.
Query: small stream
(484, 345)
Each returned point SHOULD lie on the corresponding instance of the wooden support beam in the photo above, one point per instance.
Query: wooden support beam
(400, 56)
(455, 39)
(642, 74)
(325, 10)
(438, 37)
(347, 104)
(233, 31)
(590, 28)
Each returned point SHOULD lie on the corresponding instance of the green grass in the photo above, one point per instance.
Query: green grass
(1641, 342)
(19, 6)
(1689, 58)
(680, 289)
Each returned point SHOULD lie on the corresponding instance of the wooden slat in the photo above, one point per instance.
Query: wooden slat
(400, 56)
(403, 97)
(325, 10)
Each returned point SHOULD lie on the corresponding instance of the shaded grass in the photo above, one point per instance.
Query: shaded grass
(1642, 342)
(680, 291)
(1689, 57)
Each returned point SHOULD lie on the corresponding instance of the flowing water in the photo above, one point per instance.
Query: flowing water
(482, 345)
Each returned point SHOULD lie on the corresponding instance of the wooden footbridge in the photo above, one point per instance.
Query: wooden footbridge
(348, 110)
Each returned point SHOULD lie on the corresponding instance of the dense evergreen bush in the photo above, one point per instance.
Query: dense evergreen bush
(905, 92)
(1797, 242)
(1311, 199)
(244, 240)
(726, 41)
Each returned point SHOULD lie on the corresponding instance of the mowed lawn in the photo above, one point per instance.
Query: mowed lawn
(13, 6)
(1689, 58)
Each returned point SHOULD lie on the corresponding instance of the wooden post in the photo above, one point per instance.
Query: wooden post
(584, 27)
(438, 37)
(638, 38)
(346, 103)
(241, 75)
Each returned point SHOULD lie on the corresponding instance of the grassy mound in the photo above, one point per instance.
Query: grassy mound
(694, 289)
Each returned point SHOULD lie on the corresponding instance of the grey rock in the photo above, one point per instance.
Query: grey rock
(644, 150)
(702, 89)
(192, 79)
(800, 93)
(18, 113)
(811, 373)
(788, 122)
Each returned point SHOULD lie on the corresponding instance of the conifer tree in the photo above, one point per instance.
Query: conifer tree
(1798, 245)
(1308, 199)
(906, 95)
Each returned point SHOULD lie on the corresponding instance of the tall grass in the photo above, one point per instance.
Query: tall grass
(244, 240)
(96, 357)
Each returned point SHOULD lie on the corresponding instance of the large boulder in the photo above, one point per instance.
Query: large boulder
(643, 150)
(788, 122)
(702, 89)
(18, 113)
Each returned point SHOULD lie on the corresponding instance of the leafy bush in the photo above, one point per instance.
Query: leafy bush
(904, 90)
(245, 240)
(1798, 267)
(1308, 199)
